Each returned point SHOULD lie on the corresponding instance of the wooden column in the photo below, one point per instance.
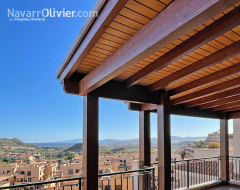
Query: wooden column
(144, 138)
(164, 143)
(224, 159)
(90, 141)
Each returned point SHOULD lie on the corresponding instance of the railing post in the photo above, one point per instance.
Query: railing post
(80, 184)
(153, 178)
(187, 173)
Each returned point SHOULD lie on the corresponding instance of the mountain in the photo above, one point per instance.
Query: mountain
(16, 142)
(176, 138)
(78, 148)
(60, 143)
(114, 141)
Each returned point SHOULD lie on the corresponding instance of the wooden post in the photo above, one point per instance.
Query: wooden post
(224, 159)
(90, 141)
(164, 143)
(144, 138)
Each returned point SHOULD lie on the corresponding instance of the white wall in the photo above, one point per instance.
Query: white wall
(205, 152)
(236, 138)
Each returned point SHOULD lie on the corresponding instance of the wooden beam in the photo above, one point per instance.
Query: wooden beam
(90, 141)
(179, 110)
(226, 106)
(144, 138)
(108, 13)
(134, 106)
(233, 115)
(202, 64)
(206, 92)
(220, 102)
(217, 28)
(214, 97)
(237, 108)
(234, 69)
(116, 90)
(224, 164)
(180, 17)
(164, 143)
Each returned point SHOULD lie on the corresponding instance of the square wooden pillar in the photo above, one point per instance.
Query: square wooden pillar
(144, 138)
(224, 159)
(90, 141)
(164, 143)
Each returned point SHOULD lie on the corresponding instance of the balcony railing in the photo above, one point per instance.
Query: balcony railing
(125, 180)
(185, 174)
(234, 168)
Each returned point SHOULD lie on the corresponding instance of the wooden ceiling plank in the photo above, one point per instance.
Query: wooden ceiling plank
(214, 97)
(226, 106)
(209, 78)
(206, 92)
(172, 23)
(208, 61)
(237, 108)
(220, 102)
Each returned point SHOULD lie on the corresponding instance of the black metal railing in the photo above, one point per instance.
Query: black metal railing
(192, 172)
(124, 180)
(128, 180)
(234, 168)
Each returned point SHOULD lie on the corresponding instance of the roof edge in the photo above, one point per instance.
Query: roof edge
(86, 27)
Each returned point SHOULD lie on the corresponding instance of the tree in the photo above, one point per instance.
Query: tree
(183, 154)
(214, 144)
(230, 136)
(198, 144)
(69, 157)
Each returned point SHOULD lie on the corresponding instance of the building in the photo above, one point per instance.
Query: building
(215, 136)
(29, 173)
(71, 170)
(124, 161)
(188, 149)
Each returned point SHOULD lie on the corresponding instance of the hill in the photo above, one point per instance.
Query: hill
(78, 148)
(75, 148)
(16, 142)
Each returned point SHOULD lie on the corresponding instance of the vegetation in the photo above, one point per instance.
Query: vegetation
(119, 150)
(230, 136)
(69, 157)
(16, 142)
(214, 145)
(198, 144)
(75, 148)
(183, 154)
(78, 148)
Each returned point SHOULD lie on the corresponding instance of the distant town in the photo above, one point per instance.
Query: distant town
(24, 163)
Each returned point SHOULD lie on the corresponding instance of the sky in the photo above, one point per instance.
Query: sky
(33, 105)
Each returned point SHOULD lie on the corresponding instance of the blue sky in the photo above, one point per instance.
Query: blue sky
(33, 106)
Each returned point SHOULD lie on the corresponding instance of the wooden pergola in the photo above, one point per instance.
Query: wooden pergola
(167, 56)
